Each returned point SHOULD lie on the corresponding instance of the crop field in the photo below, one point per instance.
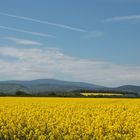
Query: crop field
(102, 94)
(69, 118)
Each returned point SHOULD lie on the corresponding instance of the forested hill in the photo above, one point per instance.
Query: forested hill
(48, 85)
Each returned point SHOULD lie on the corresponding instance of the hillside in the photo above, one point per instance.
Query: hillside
(52, 85)
(11, 88)
(129, 88)
(44, 85)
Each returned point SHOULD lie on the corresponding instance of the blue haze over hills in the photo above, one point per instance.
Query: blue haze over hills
(45, 85)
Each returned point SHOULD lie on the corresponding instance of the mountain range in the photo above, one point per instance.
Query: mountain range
(45, 85)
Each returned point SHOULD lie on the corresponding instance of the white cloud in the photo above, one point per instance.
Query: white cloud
(44, 22)
(20, 41)
(34, 63)
(123, 18)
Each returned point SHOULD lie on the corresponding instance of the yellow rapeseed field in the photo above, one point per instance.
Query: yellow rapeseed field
(69, 119)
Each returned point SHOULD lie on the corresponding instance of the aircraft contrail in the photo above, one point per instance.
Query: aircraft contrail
(44, 22)
(25, 31)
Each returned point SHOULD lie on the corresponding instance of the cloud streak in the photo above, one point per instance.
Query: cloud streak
(34, 63)
(94, 34)
(20, 41)
(25, 31)
(44, 22)
(123, 18)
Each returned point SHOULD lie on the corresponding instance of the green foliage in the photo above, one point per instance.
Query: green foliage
(21, 93)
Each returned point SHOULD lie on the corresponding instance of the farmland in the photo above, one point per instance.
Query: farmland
(69, 118)
(102, 94)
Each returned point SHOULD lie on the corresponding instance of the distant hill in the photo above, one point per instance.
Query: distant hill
(44, 85)
(47, 85)
(11, 88)
(129, 88)
(52, 82)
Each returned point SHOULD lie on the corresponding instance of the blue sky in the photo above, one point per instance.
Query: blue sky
(94, 41)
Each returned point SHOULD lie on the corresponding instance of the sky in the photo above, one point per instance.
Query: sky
(95, 41)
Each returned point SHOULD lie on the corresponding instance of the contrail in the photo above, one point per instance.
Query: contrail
(25, 31)
(123, 18)
(44, 22)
